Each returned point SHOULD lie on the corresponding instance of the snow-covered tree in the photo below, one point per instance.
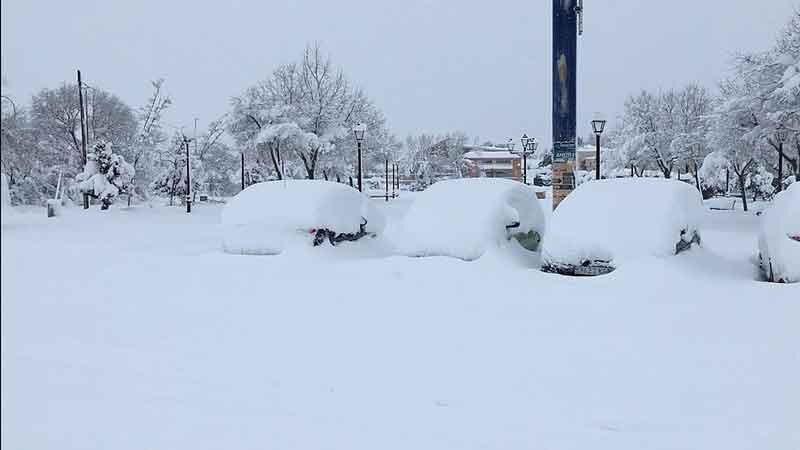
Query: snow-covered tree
(767, 86)
(761, 182)
(27, 165)
(667, 129)
(714, 173)
(150, 135)
(171, 179)
(106, 174)
(300, 119)
(731, 133)
(214, 161)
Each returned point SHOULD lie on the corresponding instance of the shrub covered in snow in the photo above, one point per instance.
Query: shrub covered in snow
(608, 221)
(267, 218)
(779, 237)
(465, 217)
(105, 175)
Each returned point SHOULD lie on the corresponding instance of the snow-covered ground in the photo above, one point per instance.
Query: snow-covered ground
(131, 329)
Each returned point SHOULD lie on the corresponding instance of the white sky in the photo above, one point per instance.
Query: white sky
(482, 67)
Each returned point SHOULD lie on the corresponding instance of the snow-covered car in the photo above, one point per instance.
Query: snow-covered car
(779, 237)
(267, 218)
(604, 223)
(463, 218)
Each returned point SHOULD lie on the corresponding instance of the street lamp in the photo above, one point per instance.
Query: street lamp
(359, 131)
(188, 177)
(529, 146)
(781, 134)
(598, 125)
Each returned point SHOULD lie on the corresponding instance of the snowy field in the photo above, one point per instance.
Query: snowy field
(131, 329)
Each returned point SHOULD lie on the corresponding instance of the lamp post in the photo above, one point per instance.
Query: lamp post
(598, 125)
(781, 134)
(359, 131)
(188, 177)
(529, 146)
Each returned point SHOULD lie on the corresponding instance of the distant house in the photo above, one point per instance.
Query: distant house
(493, 162)
(586, 158)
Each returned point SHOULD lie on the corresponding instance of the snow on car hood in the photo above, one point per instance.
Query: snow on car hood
(464, 217)
(778, 222)
(616, 219)
(267, 217)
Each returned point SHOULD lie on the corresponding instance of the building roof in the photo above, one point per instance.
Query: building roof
(491, 155)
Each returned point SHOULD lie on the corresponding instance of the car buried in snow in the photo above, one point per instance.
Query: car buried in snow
(779, 237)
(271, 217)
(464, 218)
(604, 223)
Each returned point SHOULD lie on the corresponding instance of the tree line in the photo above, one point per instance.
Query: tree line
(744, 135)
(295, 123)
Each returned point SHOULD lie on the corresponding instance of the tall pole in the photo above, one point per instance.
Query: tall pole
(524, 166)
(194, 138)
(565, 28)
(242, 170)
(780, 166)
(386, 184)
(597, 156)
(359, 166)
(394, 179)
(188, 178)
(83, 134)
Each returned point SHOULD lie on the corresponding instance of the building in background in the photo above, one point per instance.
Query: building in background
(585, 158)
(493, 162)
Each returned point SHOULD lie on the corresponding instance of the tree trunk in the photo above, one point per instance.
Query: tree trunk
(276, 164)
(744, 193)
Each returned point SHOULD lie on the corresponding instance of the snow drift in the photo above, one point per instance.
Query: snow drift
(617, 219)
(780, 223)
(463, 218)
(5, 199)
(267, 218)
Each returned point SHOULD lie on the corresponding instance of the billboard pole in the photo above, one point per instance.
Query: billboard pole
(566, 17)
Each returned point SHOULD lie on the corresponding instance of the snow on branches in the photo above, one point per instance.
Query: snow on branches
(105, 175)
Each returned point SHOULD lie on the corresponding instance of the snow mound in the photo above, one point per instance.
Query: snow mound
(463, 218)
(780, 254)
(5, 198)
(267, 218)
(617, 219)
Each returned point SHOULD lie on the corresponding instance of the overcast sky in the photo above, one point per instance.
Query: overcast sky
(482, 67)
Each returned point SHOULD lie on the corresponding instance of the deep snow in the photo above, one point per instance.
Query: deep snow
(781, 222)
(266, 218)
(466, 217)
(621, 220)
(132, 329)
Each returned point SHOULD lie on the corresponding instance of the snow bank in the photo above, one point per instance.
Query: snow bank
(616, 219)
(780, 254)
(465, 217)
(720, 203)
(266, 218)
(5, 199)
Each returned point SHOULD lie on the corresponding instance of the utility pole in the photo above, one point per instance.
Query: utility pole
(188, 177)
(83, 134)
(242, 170)
(194, 138)
(566, 15)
